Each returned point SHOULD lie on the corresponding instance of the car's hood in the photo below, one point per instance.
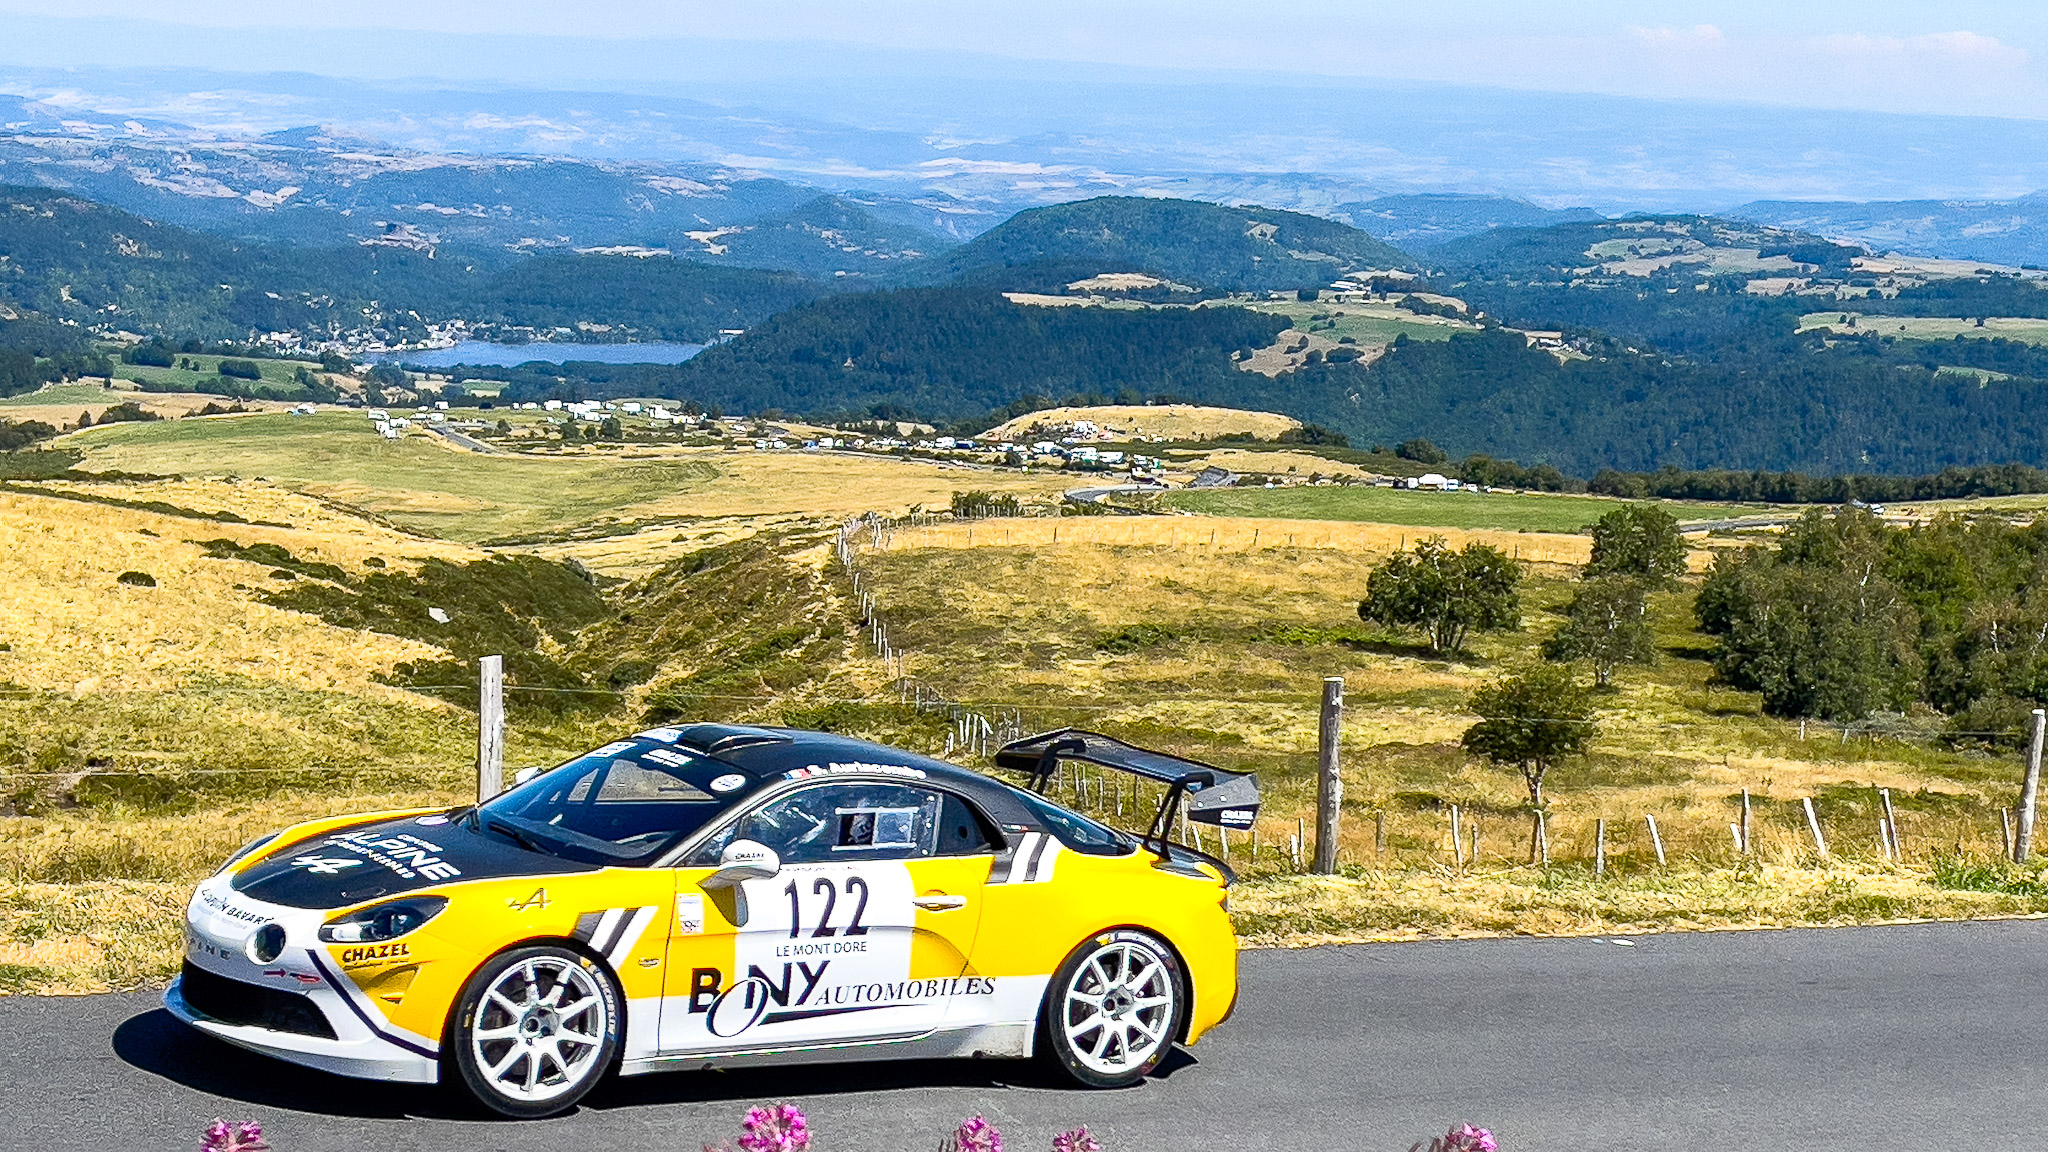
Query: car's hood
(386, 858)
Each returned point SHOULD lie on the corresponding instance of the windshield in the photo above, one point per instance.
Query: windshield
(624, 803)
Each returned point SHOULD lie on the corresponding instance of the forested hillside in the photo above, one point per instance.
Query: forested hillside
(71, 259)
(958, 353)
(1202, 246)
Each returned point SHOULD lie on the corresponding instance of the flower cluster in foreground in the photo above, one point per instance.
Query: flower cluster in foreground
(1463, 1138)
(785, 1128)
(222, 1136)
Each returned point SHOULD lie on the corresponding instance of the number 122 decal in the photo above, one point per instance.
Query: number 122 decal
(824, 886)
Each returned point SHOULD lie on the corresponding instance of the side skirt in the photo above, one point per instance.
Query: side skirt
(990, 1041)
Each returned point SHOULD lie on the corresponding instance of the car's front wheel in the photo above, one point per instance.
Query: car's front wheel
(535, 1029)
(1113, 1010)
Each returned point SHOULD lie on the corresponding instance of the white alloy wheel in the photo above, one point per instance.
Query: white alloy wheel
(1114, 1009)
(537, 1030)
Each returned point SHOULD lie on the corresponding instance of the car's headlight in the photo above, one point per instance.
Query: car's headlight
(245, 851)
(383, 921)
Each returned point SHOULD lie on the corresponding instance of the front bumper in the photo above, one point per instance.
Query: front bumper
(366, 1056)
(358, 1040)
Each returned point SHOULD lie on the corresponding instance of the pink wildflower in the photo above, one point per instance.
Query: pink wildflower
(224, 1137)
(1466, 1138)
(782, 1128)
(1076, 1141)
(976, 1134)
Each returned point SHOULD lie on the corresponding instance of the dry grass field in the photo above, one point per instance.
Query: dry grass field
(145, 732)
(1173, 421)
(422, 483)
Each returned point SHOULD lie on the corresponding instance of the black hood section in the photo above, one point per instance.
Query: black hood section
(389, 858)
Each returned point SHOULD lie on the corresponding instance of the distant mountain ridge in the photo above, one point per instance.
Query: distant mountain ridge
(2009, 232)
(1420, 221)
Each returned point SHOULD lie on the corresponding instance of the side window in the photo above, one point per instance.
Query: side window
(962, 831)
(844, 822)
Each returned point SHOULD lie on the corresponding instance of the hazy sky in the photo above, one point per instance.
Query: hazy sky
(1972, 57)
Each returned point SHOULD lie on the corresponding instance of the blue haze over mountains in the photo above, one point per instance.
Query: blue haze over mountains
(850, 175)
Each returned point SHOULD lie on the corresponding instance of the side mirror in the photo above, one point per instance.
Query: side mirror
(744, 860)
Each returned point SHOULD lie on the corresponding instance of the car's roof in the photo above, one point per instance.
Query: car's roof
(766, 753)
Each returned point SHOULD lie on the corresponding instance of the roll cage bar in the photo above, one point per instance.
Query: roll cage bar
(1213, 795)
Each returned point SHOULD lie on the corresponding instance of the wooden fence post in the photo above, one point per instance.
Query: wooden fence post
(2023, 841)
(1379, 833)
(1457, 839)
(1742, 844)
(1891, 825)
(1330, 795)
(490, 727)
(1820, 842)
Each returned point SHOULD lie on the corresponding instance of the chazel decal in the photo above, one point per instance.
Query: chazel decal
(408, 855)
(360, 955)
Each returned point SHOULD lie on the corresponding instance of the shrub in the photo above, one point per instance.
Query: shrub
(136, 579)
(1422, 451)
(155, 354)
(241, 369)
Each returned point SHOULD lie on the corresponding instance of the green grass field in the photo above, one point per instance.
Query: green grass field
(276, 373)
(414, 481)
(1537, 512)
(2027, 331)
(1364, 323)
(64, 394)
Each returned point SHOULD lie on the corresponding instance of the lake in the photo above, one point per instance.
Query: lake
(482, 352)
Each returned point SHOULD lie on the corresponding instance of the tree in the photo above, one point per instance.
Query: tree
(1447, 594)
(1530, 722)
(1813, 640)
(1607, 624)
(1421, 451)
(1638, 540)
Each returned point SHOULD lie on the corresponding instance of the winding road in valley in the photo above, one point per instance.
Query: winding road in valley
(1916, 1036)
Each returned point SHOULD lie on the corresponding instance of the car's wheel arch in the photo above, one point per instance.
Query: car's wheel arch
(1183, 976)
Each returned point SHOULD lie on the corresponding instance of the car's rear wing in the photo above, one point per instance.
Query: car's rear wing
(1214, 796)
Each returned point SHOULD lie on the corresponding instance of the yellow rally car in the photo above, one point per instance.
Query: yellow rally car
(712, 895)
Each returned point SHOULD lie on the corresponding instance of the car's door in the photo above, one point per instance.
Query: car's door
(862, 934)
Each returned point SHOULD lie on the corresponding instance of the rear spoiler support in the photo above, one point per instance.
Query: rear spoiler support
(1213, 796)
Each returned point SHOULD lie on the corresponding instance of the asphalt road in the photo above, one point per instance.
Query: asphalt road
(1927, 1036)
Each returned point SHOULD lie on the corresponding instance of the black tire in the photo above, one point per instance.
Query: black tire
(1114, 1009)
(539, 1060)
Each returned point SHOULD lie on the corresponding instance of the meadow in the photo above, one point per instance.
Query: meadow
(421, 483)
(1364, 323)
(205, 371)
(2022, 329)
(1531, 511)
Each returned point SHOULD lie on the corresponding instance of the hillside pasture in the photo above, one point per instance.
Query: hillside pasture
(2022, 329)
(1503, 511)
(1217, 655)
(422, 483)
(1173, 421)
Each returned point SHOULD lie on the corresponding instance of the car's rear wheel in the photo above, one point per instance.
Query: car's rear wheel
(535, 1029)
(1113, 1009)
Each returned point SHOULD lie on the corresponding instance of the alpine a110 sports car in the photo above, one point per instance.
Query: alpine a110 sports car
(713, 895)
